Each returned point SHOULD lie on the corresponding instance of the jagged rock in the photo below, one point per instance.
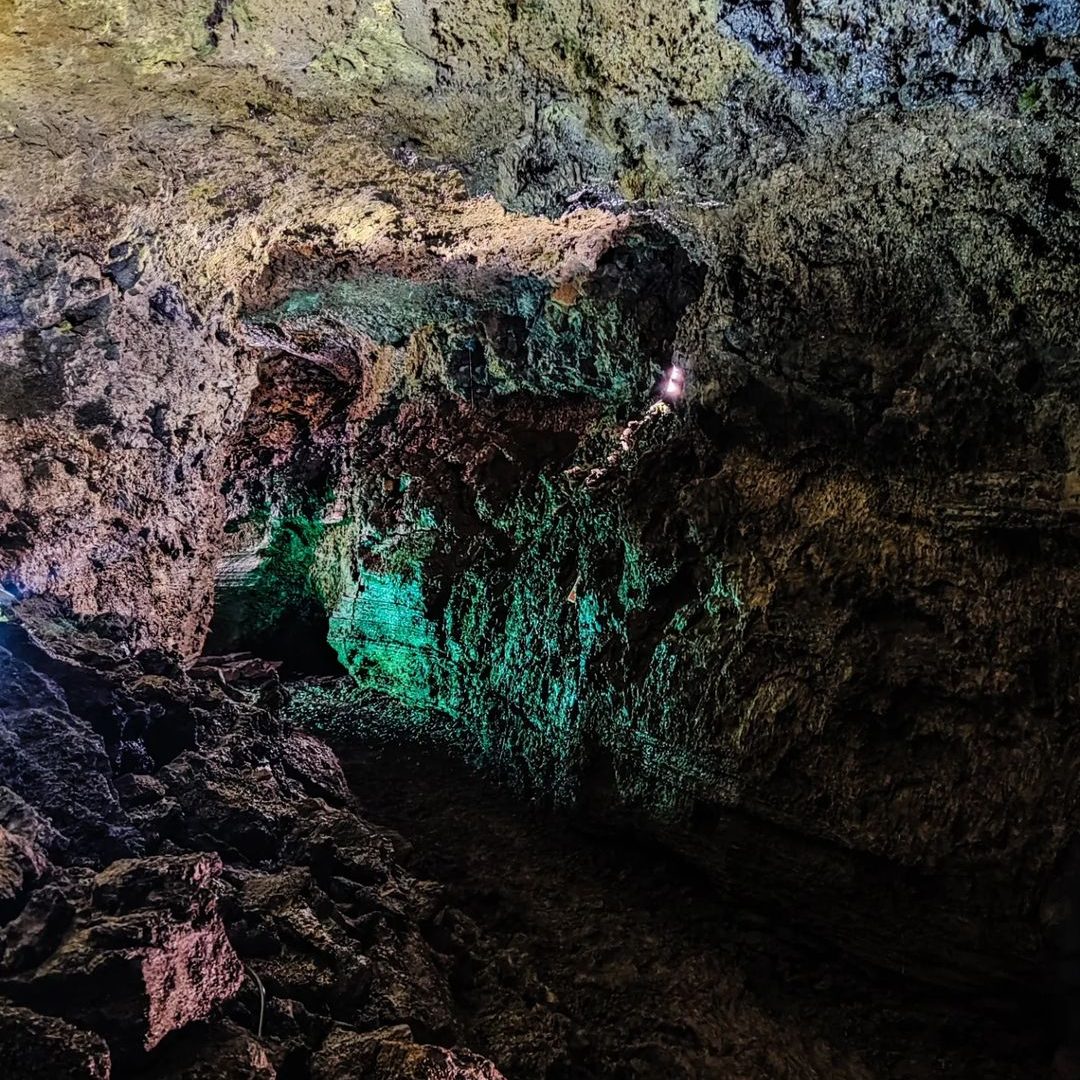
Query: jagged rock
(57, 763)
(26, 838)
(17, 870)
(337, 843)
(138, 789)
(24, 687)
(410, 982)
(36, 1047)
(138, 950)
(231, 801)
(37, 931)
(25, 822)
(313, 763)
(145, 953)
(391, 1054)
(302, 946)
(149, 928)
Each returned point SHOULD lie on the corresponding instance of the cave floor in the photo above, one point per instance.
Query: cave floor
(599, 955)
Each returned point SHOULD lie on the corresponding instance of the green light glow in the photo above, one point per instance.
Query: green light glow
(382, 635)
(543, 629)
(541, 346)
(531, 678)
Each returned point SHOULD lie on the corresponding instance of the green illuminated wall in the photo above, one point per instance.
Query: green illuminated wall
(528, 655)
(539, 625)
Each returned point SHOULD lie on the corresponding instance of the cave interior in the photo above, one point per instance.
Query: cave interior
(536, 540)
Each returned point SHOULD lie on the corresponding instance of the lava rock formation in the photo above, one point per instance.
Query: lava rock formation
(672, 411)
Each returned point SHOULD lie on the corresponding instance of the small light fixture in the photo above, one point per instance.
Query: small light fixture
(674, 382)
(571, 596)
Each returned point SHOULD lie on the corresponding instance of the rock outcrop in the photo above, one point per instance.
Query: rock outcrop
(45, 1048)
(252, 911)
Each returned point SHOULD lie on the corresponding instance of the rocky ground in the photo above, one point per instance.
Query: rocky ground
(190, 887)
(171, 852)
(603, 954)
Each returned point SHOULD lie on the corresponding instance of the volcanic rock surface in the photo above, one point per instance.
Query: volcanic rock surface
(674, 411)
(251, 913)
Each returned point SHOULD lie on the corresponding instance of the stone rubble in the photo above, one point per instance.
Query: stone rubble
(141, 911)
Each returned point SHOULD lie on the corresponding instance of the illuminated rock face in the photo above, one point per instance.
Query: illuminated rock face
(504, 500)
(766, 610)
(818, 613)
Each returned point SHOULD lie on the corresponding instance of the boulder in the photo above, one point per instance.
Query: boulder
(311, 762)
(56, 762)
(145, 953)
(25, 838)
(49, 911)
(17, 870)
(221, 1051)
(391, 1054)
(299, 942)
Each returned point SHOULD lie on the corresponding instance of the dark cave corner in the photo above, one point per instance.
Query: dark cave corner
(298, 643)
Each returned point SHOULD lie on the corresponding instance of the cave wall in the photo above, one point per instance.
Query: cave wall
(823, 600)
(145, 186)
(253, 321)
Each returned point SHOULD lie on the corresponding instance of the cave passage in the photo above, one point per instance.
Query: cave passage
(602, 952)
(539, 540)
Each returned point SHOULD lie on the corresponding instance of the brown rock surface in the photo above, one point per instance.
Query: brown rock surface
(280, 315)
(144, 954)
(391, 1054)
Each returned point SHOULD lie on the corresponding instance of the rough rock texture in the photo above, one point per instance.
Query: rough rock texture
(812, 615)
(390, 1054)
(244, 884)
(44, 1048)
(145, 947)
